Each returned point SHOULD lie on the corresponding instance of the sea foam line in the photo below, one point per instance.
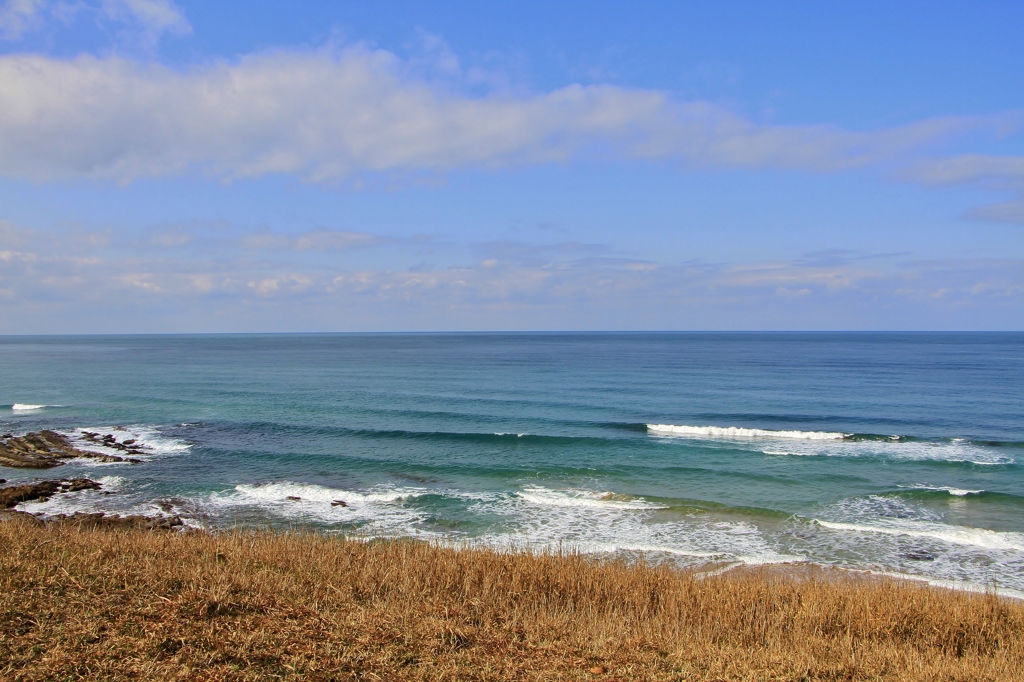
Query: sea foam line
(956, 492)
(19, 407)
(957, 535)
(540, 495)
(148, 437)
(738, 432)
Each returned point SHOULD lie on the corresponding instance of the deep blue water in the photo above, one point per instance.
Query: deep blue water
(899, 453)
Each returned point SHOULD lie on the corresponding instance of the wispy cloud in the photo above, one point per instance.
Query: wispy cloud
(995, 173)
(313, 240)
(150, 19)
(86, 281)
(18, 16)
(1004, 212)
(970, 168)
(330, 115)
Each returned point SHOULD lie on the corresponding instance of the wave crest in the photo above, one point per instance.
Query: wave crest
(738, 432)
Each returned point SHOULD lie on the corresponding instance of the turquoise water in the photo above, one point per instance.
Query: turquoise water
(896, 453)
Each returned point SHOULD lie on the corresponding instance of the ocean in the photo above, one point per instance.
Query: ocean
(895, 453)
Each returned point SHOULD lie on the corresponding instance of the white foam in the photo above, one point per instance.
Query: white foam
(535, 516)
(949, 451)
(738, 432)
(378, 511)
(594, 522)
(916, 528)
(147, 438)
(280, 492)
(957, 492)
(583, 498)
(89, 501)
(21, 407)
(836, 444)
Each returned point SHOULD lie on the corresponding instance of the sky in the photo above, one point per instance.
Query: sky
(319, 166)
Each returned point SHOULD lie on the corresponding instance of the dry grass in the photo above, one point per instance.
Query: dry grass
(119, 604)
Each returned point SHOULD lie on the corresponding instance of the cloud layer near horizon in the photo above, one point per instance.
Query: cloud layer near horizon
(331, 115)
(217, 281)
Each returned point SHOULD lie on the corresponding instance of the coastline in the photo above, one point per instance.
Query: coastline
(110, 602)
(52, 448)
(517, 440)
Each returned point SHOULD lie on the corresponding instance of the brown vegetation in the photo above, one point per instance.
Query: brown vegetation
(79, 602)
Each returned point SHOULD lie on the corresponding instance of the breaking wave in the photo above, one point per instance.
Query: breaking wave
(957, 535)
(738, 432)
(584, 498)
(956, 492)
(149, 439)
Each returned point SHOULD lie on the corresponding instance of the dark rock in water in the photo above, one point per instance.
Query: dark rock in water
(45, 450)
(3, 480)
(339, 503)
(42, 490)
(76, 484)
(101, 520)
(294, 498)
(169, 504)
(17, 494)
(920, 556)
(130, 441)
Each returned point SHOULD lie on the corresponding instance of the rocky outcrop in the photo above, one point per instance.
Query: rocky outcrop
(47, 449)
(101, 520)
(108, 440)
(44, 490)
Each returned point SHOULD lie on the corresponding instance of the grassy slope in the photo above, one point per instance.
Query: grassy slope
(76, 602)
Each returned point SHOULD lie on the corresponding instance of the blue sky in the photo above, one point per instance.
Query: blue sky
(328, 166)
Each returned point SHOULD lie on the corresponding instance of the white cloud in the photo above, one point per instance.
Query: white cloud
(331, 115)
(70, 281)
(970, 168)
(148, 18)
(312, 240)
(18, 16)
(998, 173)
(153, 17)
(1005, 212)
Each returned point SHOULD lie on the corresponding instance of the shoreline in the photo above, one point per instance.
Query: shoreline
(14, 493)
(108, 602)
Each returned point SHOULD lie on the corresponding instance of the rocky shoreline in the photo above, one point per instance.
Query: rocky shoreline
(11, 496)
(47, 449)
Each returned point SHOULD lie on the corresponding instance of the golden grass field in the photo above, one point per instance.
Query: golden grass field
(81, 603)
